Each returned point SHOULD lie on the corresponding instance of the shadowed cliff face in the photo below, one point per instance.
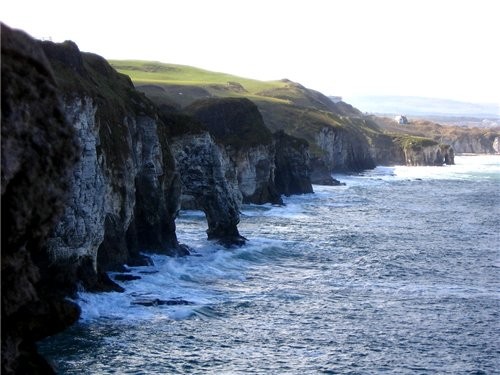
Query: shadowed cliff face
(292, 165)
(344, 150)
(39, 150)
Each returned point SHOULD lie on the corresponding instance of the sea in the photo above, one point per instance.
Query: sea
(396, 272)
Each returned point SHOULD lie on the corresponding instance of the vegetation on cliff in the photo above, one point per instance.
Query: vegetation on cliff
(284, 105)
(290, 107)
(234, 122)
(462, 139)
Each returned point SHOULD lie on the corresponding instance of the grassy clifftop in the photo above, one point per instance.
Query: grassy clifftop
(181, 85)
(184, 82)
(285, 105)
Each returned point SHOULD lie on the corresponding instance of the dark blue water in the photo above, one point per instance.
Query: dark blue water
(396, 272)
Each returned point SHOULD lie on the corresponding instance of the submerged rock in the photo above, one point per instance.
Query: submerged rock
(126, 277)
(161, 302)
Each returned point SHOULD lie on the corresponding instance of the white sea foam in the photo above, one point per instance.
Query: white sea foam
(197, 281)
(203, 280)
(465, 167)
(348, 273)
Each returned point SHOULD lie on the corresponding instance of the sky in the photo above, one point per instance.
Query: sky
(433, 48)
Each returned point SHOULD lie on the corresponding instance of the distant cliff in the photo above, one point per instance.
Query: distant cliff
(339, 136)
(461, 139)
(422, 151)
(483, 143)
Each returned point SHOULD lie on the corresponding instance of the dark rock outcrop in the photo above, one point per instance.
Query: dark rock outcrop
(39, 150)
(344, 150)
(321, 174)
(292, 175)
(237, 126)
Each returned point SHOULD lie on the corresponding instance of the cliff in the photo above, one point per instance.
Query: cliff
(207, 177)
(461, 139)
(237, 126)
(484, 143)
(339, 136)
(423, 151)
(293, 165)
(89, 183)
(125, 187)
(39, 150)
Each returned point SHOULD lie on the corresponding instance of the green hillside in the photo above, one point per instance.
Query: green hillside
(186, 80)
(183, 84)
(284, 105)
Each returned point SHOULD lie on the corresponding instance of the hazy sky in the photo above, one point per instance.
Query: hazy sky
(435, 48)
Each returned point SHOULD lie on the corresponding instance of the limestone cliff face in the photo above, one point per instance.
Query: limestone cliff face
(238, 128)
(204, 172)
(464, 144)
(496, 145)
(126, 189)
(39, 149)
(256, 173)
(429, 155)
(411, 151)
(344, 151)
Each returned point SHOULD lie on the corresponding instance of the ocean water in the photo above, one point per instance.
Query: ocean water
(397, 272)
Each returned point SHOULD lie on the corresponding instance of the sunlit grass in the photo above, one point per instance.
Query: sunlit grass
(162, 73)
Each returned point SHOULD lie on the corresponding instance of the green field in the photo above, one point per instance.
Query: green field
(284, 105)
(157, 73)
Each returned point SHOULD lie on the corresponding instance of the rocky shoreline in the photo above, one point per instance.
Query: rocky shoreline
(94, 175)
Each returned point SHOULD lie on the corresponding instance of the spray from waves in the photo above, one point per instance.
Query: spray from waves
(400, 277)
(180, 288)
(465, 168)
